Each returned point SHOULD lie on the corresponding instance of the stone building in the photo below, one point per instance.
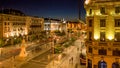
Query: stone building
(15, 25)
(103, 34)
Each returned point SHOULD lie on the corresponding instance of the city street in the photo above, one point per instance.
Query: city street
(39, 61)
(47, 60)
(42, 61)
(72, 52)
(15, 59)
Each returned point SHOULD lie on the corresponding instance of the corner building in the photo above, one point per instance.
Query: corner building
(103, 34)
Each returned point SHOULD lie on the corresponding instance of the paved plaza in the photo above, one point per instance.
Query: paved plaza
(44, 59)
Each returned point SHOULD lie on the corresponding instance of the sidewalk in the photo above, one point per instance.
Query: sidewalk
(65, 62)
(71, 60)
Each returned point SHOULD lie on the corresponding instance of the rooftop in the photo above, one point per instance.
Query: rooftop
(12, 12)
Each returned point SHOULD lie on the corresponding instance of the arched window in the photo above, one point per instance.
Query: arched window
(89, 63)
(102, 64)
(115, 65)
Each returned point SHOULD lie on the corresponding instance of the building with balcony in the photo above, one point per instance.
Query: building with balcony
(76, 27)
(103, 34)
(35, 26)
(51, 25)
(15, 25)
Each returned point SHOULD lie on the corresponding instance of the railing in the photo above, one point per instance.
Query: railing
(103, 44)
(116, 44)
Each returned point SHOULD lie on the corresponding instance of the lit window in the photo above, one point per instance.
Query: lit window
(102, 36)
(117, 9)
(90, 12)
(102, 23)
(117, 36)
(102, 51)
(117, 22)
(116, 52)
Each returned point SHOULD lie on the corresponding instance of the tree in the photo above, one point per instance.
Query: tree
(58, 49)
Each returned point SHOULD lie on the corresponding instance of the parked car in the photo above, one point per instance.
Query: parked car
(82, 59)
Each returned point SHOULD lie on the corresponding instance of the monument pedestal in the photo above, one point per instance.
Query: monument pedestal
(23, 53)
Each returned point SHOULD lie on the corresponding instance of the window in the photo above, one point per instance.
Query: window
(8, 29)
(90, 36)
(102, 10)
(117, 36)
(115, 65)
(102, 36)
(90, 11)
(116, 52)
(117, 9)
(5, 23)
(90, 23)
(102, 23)
(90, 50)
(8, 23)
(102, 64)
(117, 22)
(102, 51)
(8, 19)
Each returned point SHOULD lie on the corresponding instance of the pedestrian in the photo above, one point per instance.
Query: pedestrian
(72, 59)
(78, 49)
(14, 66)
(69, 60)
(48, 57)
(3, 67)
(76, 65)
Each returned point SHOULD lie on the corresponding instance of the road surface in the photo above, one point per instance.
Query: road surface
(38, 62)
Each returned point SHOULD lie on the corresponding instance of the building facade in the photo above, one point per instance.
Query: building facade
(35, 26)
(15, 25)
(52, 25)
(103, 34)
(76, 28)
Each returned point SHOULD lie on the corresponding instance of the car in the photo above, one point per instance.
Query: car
(82, 59)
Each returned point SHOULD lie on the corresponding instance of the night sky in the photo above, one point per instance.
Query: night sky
(67, 9)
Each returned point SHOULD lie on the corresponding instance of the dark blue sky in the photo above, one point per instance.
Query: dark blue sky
(67, 9)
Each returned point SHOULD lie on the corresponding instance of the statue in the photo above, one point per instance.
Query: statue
(23, 49)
